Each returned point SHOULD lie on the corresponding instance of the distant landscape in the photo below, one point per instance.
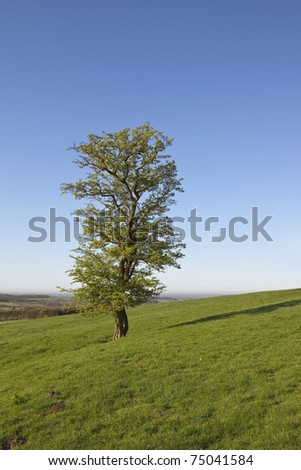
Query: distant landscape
(214, 373)
(30, 306)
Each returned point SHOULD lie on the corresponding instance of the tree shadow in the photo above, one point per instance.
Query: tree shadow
(251, 311)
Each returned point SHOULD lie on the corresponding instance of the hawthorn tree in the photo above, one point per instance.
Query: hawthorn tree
(129, 186)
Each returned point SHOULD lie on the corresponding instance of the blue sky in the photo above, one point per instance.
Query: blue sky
(220, 76)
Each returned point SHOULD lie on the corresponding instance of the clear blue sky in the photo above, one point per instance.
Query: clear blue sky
(220, 76)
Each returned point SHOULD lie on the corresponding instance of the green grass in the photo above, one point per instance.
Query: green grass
(218, 373)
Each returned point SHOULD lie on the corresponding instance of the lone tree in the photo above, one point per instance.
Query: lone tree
(129, 186)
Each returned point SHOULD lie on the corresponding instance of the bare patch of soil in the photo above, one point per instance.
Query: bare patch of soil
(56, 407)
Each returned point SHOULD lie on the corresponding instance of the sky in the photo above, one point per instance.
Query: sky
(220, 76)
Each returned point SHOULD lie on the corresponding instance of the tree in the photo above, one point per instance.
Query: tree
(129, 186)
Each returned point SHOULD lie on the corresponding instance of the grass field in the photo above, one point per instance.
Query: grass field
(218, 373)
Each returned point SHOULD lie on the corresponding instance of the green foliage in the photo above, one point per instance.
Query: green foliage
(130, 184)
(218, 373)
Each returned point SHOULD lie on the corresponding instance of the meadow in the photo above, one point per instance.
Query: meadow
(216, 373)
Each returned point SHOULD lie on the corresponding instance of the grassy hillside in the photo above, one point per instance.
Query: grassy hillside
(218, 373)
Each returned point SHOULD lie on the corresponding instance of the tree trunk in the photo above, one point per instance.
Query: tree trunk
(121, 324)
